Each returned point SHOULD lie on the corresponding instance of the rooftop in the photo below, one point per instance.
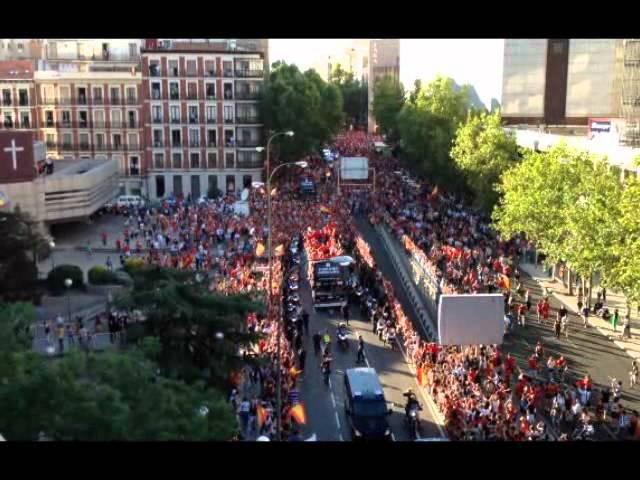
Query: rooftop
(16, 70)
(75, 167)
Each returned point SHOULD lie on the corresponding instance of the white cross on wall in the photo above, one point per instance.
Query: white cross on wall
(13, 149)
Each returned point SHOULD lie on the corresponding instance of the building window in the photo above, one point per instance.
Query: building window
(25, 120)
(83, 119)
(157, 138)
(192, 68)
(192, 91)
(98, 119)
(227, 68)
(48, 118)
(115, 95)
(66, 118)
(23, 97)
(195, 160)
(195, 186)
(194, 137)
(51, 140)
(229, 163)
(173, 68)
(155, 91)
(99, 141)
(65, 95)
(229, 141)
(66, 140)
(177, 185)
(228, 91)
(175, 138)
(193, 114)
(212, 182)
(210, 68)
(212, 160)
(6, 97)
(175, 114)
(211, 138)
(134, 165)
(132, 139)
(82, 96)
(231, 183)
(97, 95)
(132, 97)
(176, 160)
(84, 141)
(154, 68)
(131, 118)
(8, 120)
(210, 91)
(174, 91)
(160, 186)
(228, 114)
(158, 160)
(156, 112)
(211, 114)
(116, 119)
(117, 141)
(246, 181)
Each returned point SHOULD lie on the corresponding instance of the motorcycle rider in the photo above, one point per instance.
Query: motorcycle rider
(412, 402)
(342, 333)
(325, 366)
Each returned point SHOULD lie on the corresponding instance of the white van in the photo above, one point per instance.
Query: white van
(130, 201)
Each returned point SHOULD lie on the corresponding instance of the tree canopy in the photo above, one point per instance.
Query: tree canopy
(354, 95)
(482, 150)
(105, 396)
(388, 100)
(304, 103)
(187, 321)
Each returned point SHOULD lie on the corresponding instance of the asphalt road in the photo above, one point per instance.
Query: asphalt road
(325, 404)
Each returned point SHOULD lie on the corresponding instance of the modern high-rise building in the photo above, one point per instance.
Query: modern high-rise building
(573, 83)
(202, 119)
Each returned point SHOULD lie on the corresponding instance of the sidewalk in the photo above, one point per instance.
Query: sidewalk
(614, 300)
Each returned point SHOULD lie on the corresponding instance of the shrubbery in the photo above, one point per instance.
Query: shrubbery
(57, 276)
(133, 264)
(99, 275)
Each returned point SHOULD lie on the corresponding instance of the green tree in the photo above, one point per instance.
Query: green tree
(624, 270)
(388, 99)
(301, 102)
(187, 321)
(354, 95)
(483, 150)
(20, 246)
(441, 98)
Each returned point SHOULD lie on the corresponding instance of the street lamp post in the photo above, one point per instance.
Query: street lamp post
(67, 283)
(270, 175)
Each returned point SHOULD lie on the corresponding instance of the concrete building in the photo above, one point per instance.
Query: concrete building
(20, 48)
(384, 60)
(72, 191)
(18, 103)
(202, 119)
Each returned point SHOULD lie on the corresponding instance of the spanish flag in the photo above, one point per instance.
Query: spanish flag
(261, 414)
(260, 249)
(419, 375)
(279, 251)
(298, 414)
(505, 281)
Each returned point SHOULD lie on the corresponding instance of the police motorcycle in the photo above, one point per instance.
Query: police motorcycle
(412, 417)
(343, 340)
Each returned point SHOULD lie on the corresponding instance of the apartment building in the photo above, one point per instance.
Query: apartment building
(202, 119)
(93, 115)
(18, 99)
(20, 48)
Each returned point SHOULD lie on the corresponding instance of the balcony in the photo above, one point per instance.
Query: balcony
(132, 100)
(82, 100)
(8, 124)
(6, 102)
(228, 120)
(174, 96)
(194, 143)
(247, 94)
(158, 144)
(83, 124)
(249, 163)
(97, 101)
(49, 124)
(154, 70)
(212, 144)
(26, 123)
(212, 120)
(176, 144)
(66, 147)
(156, 120)
(51, 145)
(227, 72)
(23, 102)
(249, 142)
(155, 95)
(192, 96)
(115, 101)
(134, 171)
(210, 98)
(248, 119)
(176, 121)
(103, 147)
(85, 147)
(211, 73)
(228, 95)
(191, 73)
(194, 120)
(246, 73)
(229, 143)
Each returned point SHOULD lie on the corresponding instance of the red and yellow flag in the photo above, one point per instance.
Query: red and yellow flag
(419, 375)
(298, 414)
(506, 281)
(260, 249)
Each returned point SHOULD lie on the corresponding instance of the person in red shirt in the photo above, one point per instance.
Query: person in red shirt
(539, 310)
(533, 365)
(545, 310)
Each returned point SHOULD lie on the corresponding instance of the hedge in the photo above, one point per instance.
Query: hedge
(133, 264)
(57, 276)
(99, 275)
